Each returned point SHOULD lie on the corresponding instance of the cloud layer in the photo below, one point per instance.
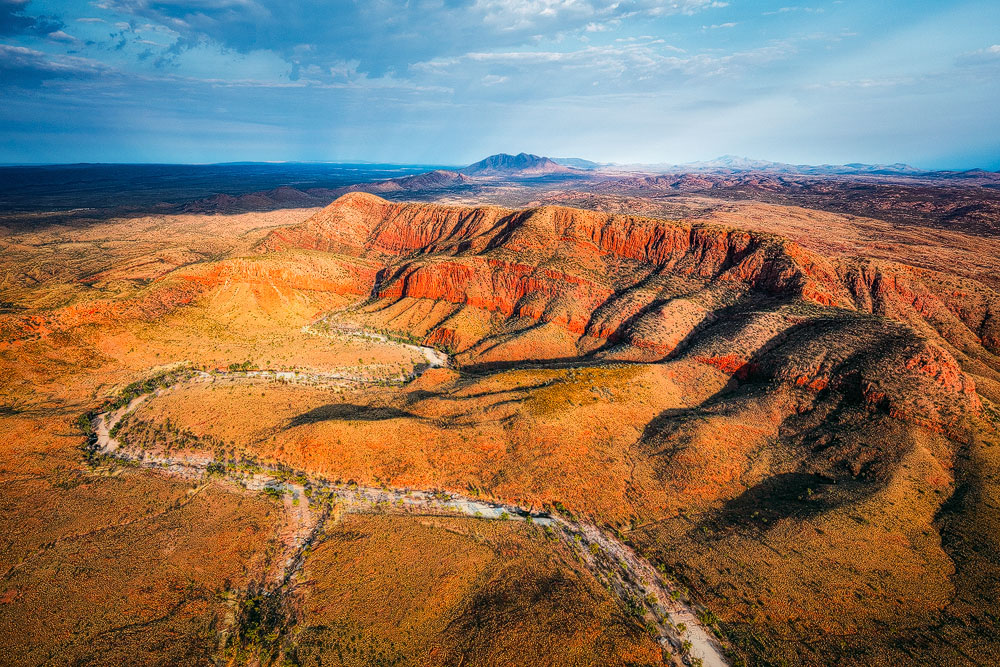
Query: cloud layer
(449, 80)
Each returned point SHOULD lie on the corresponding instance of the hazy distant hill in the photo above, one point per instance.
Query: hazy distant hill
(735, 163)
(578, 163)
(431, 180)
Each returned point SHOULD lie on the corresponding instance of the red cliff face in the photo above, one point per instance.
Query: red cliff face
(495, 285)
(628, 287)
(964, 313)
(555, 249)
(362, 224)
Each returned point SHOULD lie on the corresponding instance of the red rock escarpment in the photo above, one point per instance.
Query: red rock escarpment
(567, 246)
(619, 280)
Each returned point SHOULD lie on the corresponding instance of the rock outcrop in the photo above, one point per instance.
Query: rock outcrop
(498, 285)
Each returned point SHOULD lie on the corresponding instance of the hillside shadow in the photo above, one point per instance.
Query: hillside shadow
(490, 367)
(834, 461)
(349, 412)
(790, 494)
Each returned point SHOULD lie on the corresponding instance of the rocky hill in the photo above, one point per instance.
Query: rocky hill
(522, 164)
(818, 408)
(627, 287)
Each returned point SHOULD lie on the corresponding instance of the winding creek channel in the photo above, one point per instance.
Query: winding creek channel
(308, 501)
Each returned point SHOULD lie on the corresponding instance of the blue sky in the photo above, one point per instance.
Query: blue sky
(450, 81)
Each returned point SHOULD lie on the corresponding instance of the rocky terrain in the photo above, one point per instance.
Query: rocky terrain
(777, 415)
(969, 201)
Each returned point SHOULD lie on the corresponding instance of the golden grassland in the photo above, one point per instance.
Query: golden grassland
(400, 590)
(528, 436)
(126, 569)
(793, 570)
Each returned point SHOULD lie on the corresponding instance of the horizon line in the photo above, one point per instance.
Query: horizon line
(460, 165)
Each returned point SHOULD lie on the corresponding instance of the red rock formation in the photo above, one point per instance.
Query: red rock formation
(579, 242)
(639, 288)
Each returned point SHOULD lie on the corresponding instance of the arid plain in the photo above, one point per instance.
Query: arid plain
(515, 414)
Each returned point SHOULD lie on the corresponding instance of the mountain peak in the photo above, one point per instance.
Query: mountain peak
(522, 164)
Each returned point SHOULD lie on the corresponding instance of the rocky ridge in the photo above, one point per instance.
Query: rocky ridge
(499, 285)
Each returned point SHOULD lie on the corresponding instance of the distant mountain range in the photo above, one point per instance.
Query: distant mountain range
(735, 163)
(727, 171)
(526, 164)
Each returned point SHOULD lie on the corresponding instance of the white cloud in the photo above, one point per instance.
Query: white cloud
(60, 36)
(621, 67)
(388, 35)
(987, 57)
(785, 10)
(21, 65)
(519, 14)
(890, 82)
(344, 69)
